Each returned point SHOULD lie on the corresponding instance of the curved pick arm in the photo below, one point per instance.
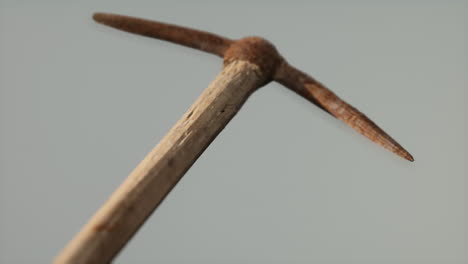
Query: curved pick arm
(192, 38)
(321, 96)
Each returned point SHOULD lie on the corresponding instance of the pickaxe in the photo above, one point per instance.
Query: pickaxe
(249, 63)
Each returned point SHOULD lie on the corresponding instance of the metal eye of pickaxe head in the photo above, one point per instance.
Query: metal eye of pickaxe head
(249, 63)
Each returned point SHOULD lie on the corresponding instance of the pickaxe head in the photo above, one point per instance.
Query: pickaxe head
(272, 66)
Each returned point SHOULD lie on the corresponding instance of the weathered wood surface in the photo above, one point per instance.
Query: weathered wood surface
(133, 202)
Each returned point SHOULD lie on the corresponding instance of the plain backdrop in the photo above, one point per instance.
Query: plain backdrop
(81, 104)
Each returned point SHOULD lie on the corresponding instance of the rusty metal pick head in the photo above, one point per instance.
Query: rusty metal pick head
(272, 65)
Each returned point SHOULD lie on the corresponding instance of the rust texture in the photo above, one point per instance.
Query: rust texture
(272, 65)
(192, 38)
(255, 50)
(321, 96)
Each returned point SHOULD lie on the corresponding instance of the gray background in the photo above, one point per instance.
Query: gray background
(82, 104)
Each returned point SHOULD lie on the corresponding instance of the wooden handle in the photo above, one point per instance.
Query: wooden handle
(132, 203)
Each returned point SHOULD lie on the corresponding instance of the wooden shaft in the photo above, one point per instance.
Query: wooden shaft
(132, 203)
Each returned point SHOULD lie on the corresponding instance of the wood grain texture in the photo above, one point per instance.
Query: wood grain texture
(132, 203)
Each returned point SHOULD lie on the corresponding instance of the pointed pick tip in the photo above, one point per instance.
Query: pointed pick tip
(406, 155)
(99, 17)
(410, 158)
